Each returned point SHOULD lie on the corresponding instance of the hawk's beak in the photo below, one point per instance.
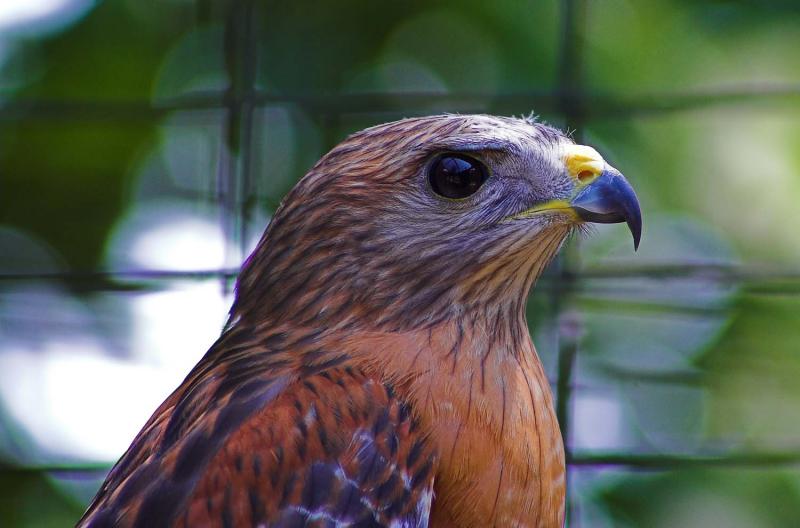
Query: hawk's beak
(604, 196)
(610, 199)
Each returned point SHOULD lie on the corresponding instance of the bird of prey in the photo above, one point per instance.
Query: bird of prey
(377, 369)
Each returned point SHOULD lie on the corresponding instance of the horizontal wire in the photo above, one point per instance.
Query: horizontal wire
(123, 275)
(709, 272)
(717, 272)
(588, 294)
(597, 105)
(592, 459)
(686, 461)
(672, 377)
(66, 467)
(592, 285)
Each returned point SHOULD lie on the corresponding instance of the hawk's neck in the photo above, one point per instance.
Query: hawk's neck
(480, 390)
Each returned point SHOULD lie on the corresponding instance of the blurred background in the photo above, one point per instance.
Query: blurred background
(144, 146)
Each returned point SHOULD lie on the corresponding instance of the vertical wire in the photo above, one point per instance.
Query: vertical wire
(226, 168)
(571, 107)
(250, 63)
(234, 183)
(248, 197)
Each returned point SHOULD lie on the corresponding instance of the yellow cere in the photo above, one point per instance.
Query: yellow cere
(583, 163)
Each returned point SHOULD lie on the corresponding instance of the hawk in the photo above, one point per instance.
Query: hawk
(377, 369)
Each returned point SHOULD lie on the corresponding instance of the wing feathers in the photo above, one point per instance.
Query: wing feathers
(335, 449)
(321, 445)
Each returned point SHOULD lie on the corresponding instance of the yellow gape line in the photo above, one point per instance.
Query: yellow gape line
(561, 206)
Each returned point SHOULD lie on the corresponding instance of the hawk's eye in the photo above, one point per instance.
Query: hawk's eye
(456, 176)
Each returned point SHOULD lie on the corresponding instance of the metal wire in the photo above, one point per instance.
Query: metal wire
(595, 105)
(572, 107)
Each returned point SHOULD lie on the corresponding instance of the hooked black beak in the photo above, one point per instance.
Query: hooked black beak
(610, 199)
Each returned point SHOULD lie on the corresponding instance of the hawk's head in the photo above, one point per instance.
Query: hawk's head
(407, 223)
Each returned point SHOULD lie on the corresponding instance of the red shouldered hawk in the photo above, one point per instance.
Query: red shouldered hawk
(377, 368)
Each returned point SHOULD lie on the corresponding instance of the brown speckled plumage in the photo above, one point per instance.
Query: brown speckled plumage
(377, 367)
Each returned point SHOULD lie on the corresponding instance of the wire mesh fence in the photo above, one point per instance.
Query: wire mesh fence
(234, 191)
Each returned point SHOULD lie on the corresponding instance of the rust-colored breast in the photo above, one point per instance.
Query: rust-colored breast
(490, 415)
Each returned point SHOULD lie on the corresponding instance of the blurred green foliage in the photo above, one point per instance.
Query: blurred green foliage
(29, 499)
(697, 102)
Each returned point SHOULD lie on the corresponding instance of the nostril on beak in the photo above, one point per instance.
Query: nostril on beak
(583, 163)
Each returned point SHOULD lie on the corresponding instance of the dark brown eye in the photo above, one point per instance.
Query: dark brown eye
(456, 176)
